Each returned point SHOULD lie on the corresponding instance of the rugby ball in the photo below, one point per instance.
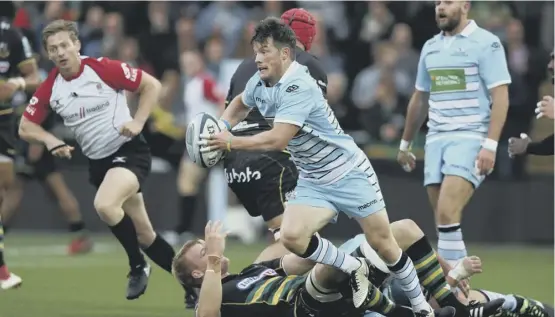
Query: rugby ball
(202, 123)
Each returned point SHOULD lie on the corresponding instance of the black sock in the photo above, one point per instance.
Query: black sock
(127, 237)
(76, 226)
(311, 248)
(161, 253)
(187, 205)
(431, 274)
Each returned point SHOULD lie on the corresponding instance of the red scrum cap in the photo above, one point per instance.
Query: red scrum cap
(302, 23)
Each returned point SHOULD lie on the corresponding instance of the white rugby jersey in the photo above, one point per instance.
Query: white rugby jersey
(92, 103)
(201, 95)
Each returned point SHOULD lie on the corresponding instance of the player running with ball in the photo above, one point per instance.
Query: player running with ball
(462, 85)
(335, 175)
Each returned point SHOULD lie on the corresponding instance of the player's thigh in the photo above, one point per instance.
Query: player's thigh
(118, 185)
(460, 158)
(190, 176)
(433, 161)
(406, 232)
(6, 172)
(358, 194)
(306, 212)
(454, 194)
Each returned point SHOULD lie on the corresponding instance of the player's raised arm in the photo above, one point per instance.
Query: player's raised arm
(495, 74)
(292, 111)
(210, 297)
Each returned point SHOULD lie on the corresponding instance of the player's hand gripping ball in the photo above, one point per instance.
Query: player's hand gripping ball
(203, 124)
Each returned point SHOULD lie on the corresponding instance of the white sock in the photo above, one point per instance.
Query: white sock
(329, 254)
(450, 245)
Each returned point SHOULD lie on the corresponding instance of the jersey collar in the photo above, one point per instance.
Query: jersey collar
(290, 70)
(468, 29)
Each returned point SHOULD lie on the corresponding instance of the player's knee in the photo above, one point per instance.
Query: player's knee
(107, 210)
(406, 232)
(294, 239)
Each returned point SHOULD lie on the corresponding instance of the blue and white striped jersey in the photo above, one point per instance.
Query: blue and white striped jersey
(458, 72)
(322, 152)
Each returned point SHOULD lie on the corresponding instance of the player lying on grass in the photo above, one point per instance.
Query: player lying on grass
(272, 288)
(411, 236)
(190, 264)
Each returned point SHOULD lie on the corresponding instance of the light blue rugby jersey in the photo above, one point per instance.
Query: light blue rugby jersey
(458, 72)
(322, 152)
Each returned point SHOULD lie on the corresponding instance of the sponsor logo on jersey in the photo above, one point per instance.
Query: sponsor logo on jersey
(242, 177)
(250, 281)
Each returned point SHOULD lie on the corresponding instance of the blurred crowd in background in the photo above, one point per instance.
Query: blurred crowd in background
(370, 51)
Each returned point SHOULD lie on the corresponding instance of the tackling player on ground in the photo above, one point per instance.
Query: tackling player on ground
(89, 94)
(335, 175)
(462, 85)
(18, 72)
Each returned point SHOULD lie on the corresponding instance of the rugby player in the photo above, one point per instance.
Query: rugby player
(89, 95)
(274, 173)
(271, 287)
(334, 173)
(462, 85)
(524, 144)
(33, 162)
(18, 72)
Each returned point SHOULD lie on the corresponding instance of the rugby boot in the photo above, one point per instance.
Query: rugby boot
(529, 308)
(446, 311)
(80, 245)
(13, 281)
(137, 281)
(490, 308)
(360, 283)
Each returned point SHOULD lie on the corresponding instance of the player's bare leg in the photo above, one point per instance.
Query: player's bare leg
(81, 242)
(276, 249)
(118, 185)
(298, 234)
(152, 244)
(11, 200)
(7, 280)
(453, 196)
(379, 235)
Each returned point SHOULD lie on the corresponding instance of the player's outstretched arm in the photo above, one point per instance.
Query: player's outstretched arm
(417, 111)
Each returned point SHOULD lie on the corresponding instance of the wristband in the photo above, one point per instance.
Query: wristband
(229, 144)
(57, 147)
(490, 145)
(405, 146)
(226, 123)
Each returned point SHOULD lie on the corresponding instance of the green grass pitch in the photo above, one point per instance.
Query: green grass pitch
(93, 285)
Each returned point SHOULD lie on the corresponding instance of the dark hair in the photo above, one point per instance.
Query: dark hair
(281, 33)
